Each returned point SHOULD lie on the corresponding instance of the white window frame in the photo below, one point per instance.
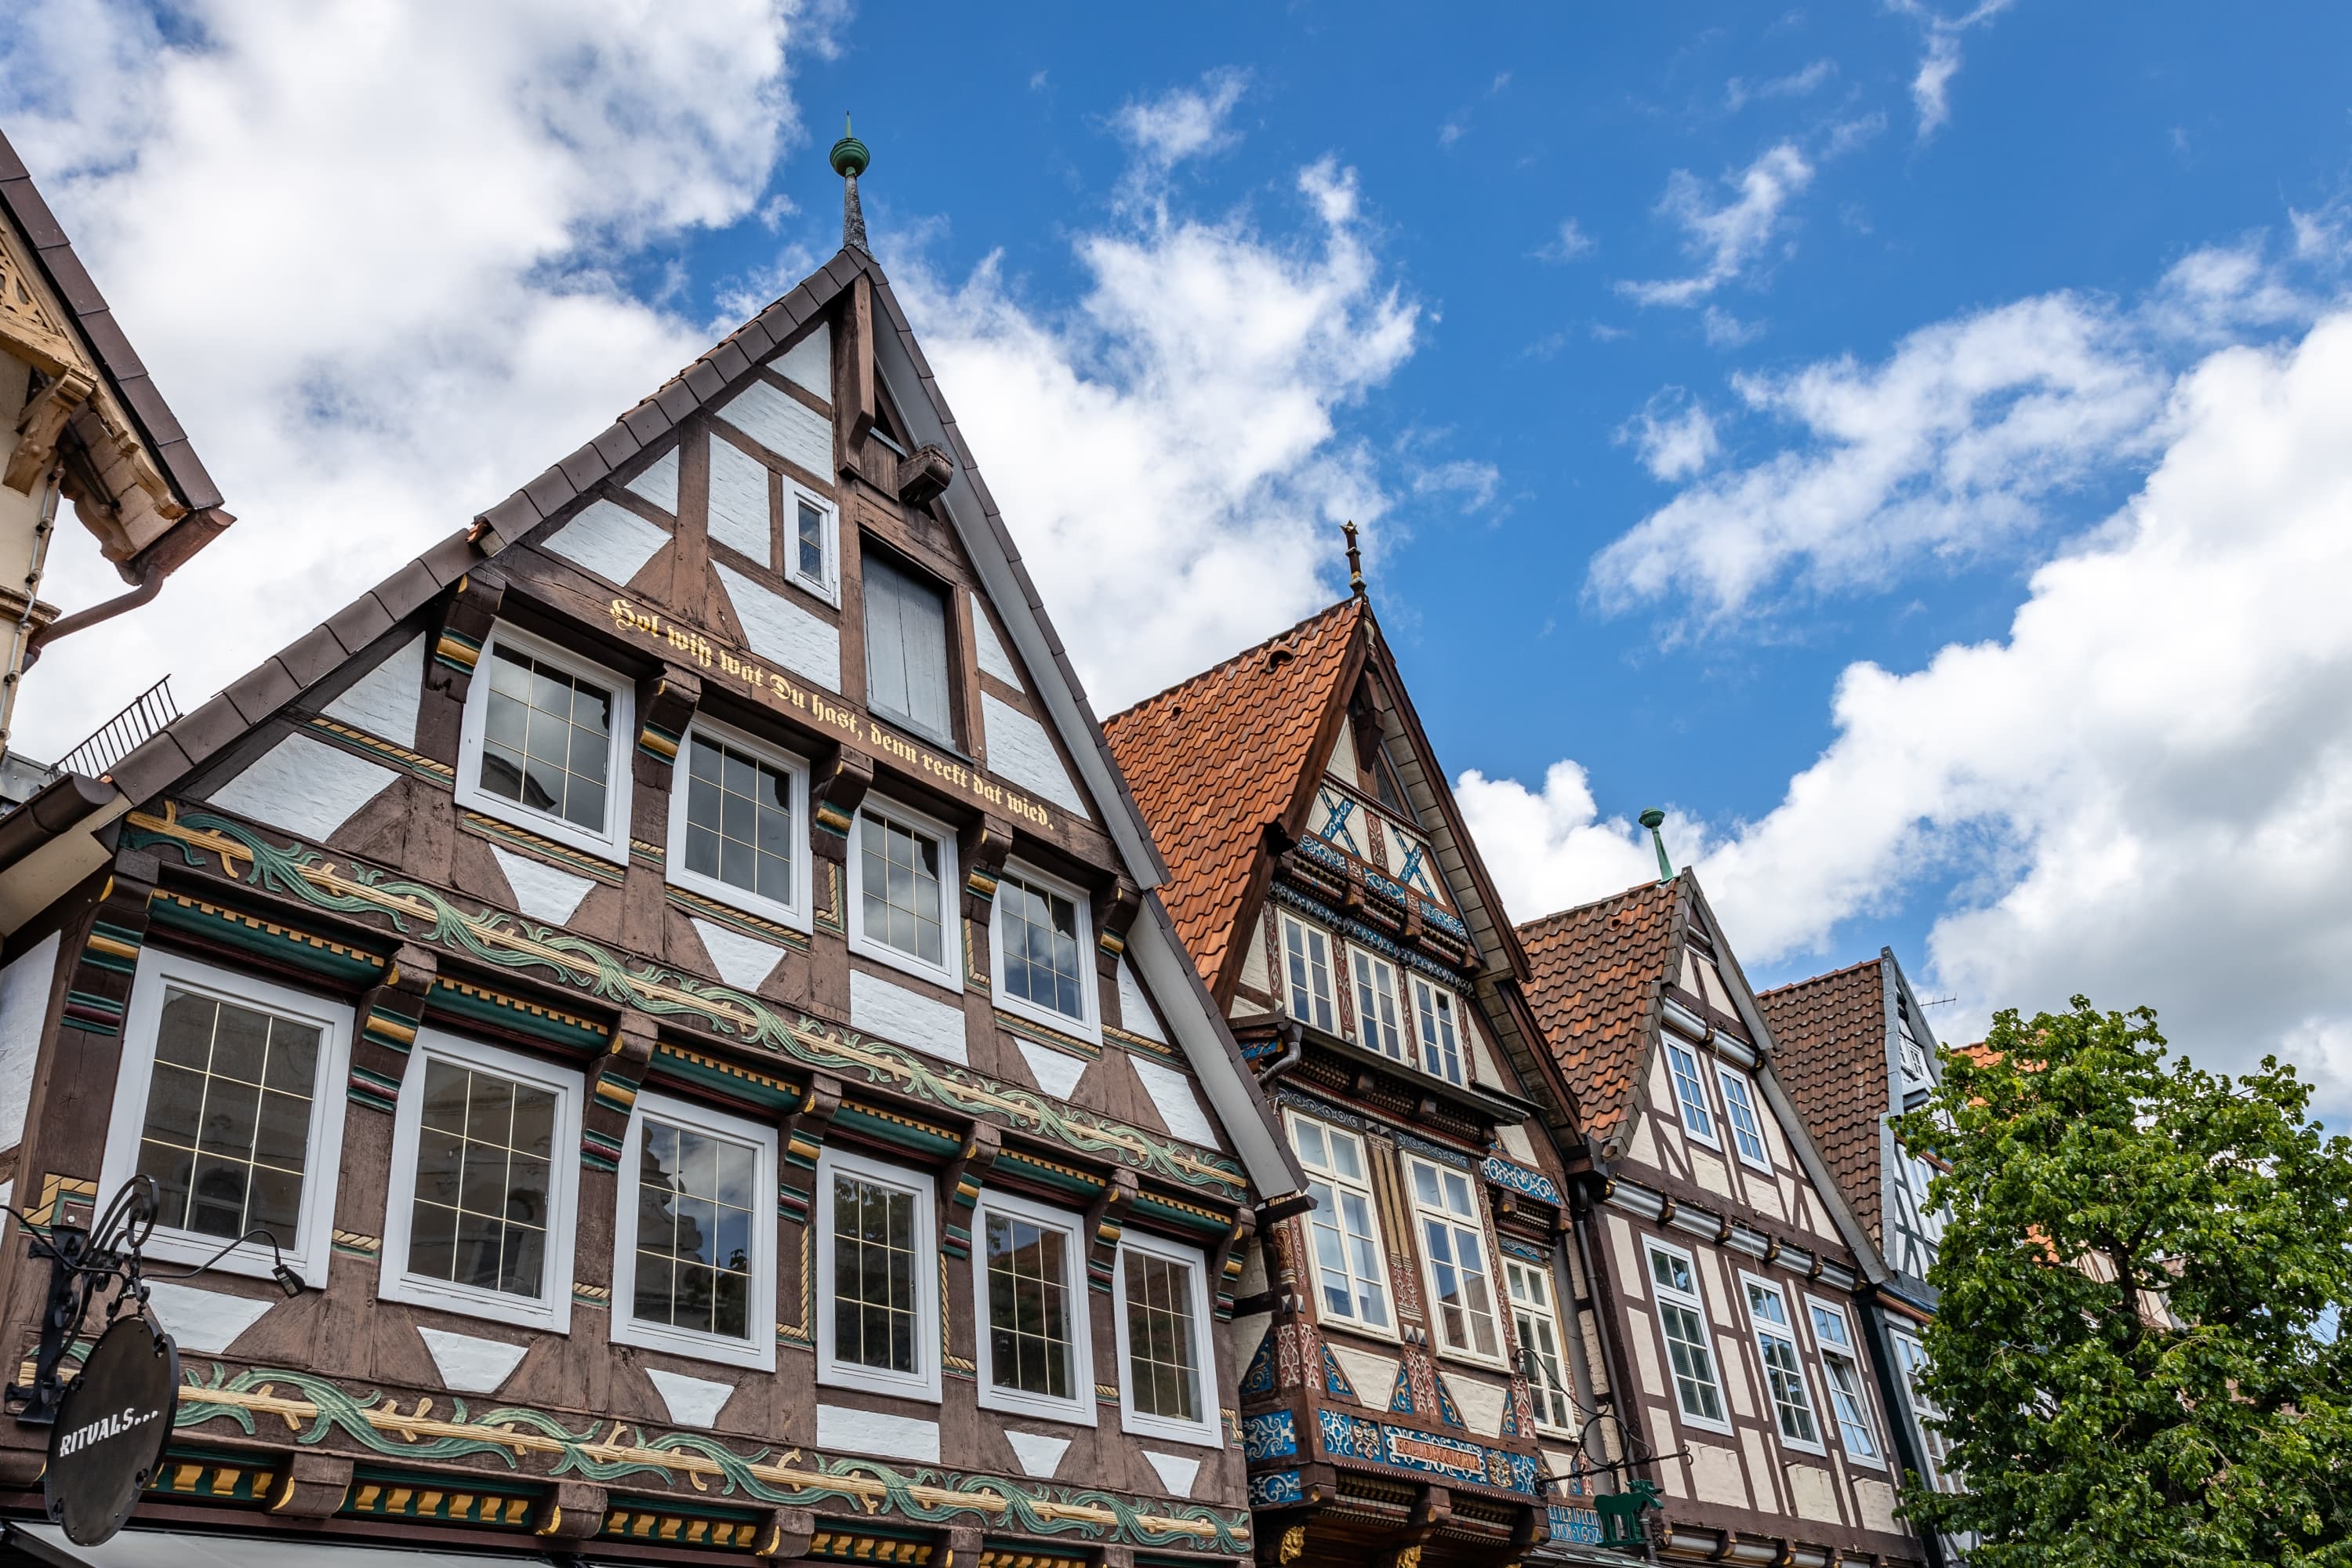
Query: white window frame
(924, 1381)
(1362, 1188)
(1078, 1410)
(1851, 1353)
(1706, 1132)
(1769, 1401)
(613, 844)
(552, 1310)
(1546, 1313)
(788, 528)
(1462, 1056)
(1497, 1311)
(1399, 998)
(949, 973)
(1695, 1301)
(1727, 1079)
(759, 1351)
(795, 914)
(308, 1249)
(1306, 932)
(1088, 1026)
(1935, 1448)
(1203, 1433)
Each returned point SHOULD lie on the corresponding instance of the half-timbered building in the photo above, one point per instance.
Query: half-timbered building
(1413, 1396)
(1732, 1276)
(660, 1016)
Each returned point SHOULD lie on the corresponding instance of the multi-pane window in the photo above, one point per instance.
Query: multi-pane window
(1913, 1361)
(876, 1312)
(228, 1128)
(484, 1191)
(1347, 1249)
(1784, 1375)
(899, 888)
(1740, 1110)
(1042, 956)
(547, 739)
(906, 649)
(1842, 1371)
(738, 819)
(1441, 1048)
(1163, 1375)
(694, 1254)
(809, 549)
(1690, 1093)
(1307, 959)
(1033, 1342)
(1453, 1247)
(1681, 1316)
(1377, 1018)
(1537, 1327)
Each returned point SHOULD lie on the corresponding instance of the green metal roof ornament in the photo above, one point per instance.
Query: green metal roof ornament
(851, 159)
(1655, 819)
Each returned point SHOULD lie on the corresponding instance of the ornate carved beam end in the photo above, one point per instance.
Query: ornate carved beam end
(842, 778)
(788, 1534)
(1106, 1223)
(311, 1486)
(573, 1511)
(666, 703)
(959, 1186)
(803, 1135)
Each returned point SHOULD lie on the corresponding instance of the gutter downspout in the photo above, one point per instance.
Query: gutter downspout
(20, 652)
(82, 620)
(1894, 1395)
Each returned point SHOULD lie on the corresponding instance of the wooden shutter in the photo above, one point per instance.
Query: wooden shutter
(906, 649)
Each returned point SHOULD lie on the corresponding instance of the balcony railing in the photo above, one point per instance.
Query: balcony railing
(122, 734)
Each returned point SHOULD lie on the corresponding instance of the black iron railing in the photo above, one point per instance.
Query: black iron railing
(122, 734)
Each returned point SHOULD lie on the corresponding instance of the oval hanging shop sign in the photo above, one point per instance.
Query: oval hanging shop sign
(112, 1422)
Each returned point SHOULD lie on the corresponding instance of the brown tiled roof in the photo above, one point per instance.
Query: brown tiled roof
(1595, 972)
(1213, 760)
(1829, 1039)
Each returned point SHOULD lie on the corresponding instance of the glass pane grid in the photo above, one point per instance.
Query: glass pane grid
(876, 1313)
(900, 881)
(1039, 929)
(546, 740)
(1689, 1092)
(483, 1181)
(694, 1231)
(1376, 1006)
(738, 820)
(227, 1126)
(1029, 1308)
(1745, 1128)
(1159, 1338)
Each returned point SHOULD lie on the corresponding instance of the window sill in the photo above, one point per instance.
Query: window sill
(1388, 1336)
(1087, 1031)
(1469, 1358)
(950, 980)
(1159, 1430)
(736, 898)
(854, 1379)
(515, 1311)
(472, 797)
(714, 1349)
(1068, 1413)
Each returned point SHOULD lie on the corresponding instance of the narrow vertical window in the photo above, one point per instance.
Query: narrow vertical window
(1682, 1317)
(1349, 1268)
(1033, 1342)
(1307, 953)
(878, 1277)
(1740, 1110)
(809, 548)
(1690, 1093)
(906, 649)
(1441, 1050)
(1913, 1361)
(1453, 1248)
(1841, 1369)
(1376, 1005)
(900, 893)
(1784, 1375)
(1537, 1327)
(738, 820)
(1161, 1304)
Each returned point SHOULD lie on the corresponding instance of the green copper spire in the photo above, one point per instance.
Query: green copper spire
(850, 159)
(1655, 819)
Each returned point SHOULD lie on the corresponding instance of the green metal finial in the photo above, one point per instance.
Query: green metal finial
(1655, 819)
(850, 158)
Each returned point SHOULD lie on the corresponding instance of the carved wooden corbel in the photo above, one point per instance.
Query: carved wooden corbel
(575, 1510)
(312, 1485)
(959, 1548)
(959, 1186)
(980, 849)
(925, 473)
(804, 1140)
(842, 777)
(613, 1091)
(466, 624)
(1115, 911)
(1106, 1222)
(788, 1533)
(666, 703)
(1237, 1243)
(389, 1013)
(42, 421)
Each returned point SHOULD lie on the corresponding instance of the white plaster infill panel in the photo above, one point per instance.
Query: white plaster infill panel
(205, 1322)
(994, 659)
(1040, 1456)
(1172, 1095)
(1019, 749)
(1716, 1476)
(1177, 1473)
(692, 1401)
(471, 1365)
(1875, 1502)
(609, 540)
(540, 890)
(884, 1007)
(305, 786)
(1135, 1013)
(738, 501)
(782, 631)
(1480, 1403)
(808, 362)
(384, 701)
(743, 962)
(1814, 1491)
(788, 429)
(1056, 1072)
(23, 1009)
(841, 1427)
(658, 483)
(1373, 1376)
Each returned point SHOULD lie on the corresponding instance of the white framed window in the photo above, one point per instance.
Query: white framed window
(694, 1235)
(1784, 1373)
(1034, 1339)
(1538, 1329)
(1739, 1111)
(1911, 1358)
(903, 892)
(230, 1095)
(1160, 1302)
(812, 542)
(738, 823)
(1690, 1093)
(485, 1184)
(1441, 1021)
(906, 648)
(1307, 964)
(1041, 945)
(1841, 1371)
(1681, 1319)
(1351, 1272)
(1453, 1259)
(546, 742)
(878, 1277)
(1379, 1021)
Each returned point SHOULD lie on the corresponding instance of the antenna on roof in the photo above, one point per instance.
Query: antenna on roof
(1355, 560)
(1655, 819)
(850, 159)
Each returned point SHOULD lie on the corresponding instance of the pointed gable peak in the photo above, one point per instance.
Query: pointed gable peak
(1595, 973)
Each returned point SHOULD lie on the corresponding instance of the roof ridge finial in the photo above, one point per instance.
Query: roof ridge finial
(1655, 819)
(850, 159)
(1355, 560)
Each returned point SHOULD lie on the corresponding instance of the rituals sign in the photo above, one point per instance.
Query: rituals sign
(113, 1421)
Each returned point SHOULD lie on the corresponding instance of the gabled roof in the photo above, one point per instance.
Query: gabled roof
(1215, 760)
(1596, 974)
(1830, 1035)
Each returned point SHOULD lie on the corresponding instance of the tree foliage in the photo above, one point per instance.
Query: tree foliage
(2136, 1350)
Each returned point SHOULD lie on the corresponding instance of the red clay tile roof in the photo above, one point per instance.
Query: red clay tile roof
(1213, 760)
(1594, 974)
(1829, 1035)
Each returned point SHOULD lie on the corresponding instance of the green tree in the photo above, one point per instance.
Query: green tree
(2138, 1348)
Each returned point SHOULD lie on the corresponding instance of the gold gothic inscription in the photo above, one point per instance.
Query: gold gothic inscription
(778, 691)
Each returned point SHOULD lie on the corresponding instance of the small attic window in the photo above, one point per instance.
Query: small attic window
(887, 429)
(1389, 787)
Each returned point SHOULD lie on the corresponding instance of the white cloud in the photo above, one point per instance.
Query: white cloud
(1475, 482)
(1550, 849)
(1167, 453)
(1571, 244)
(1726, 237)
(1738, 92)
(1673, 433)
(341, 232)
(1931, 87)
(1185, 123)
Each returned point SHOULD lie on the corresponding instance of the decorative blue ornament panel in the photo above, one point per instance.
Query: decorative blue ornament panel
(1270, 1436)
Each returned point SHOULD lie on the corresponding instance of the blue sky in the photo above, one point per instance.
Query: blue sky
(1829, 424)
